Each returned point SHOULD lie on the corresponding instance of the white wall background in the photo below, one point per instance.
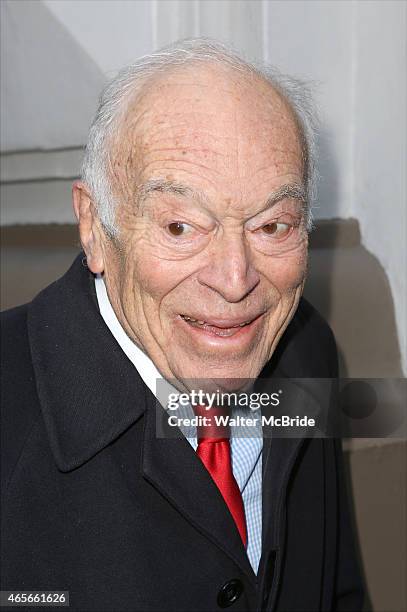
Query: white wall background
(56, 55)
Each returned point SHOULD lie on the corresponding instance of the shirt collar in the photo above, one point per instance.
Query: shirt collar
(149, 373)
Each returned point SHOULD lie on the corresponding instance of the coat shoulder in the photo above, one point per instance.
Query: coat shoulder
(307, 348)
(314, 328)
(19, 403)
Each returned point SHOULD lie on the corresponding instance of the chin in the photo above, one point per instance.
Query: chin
(212, 376)
(212, 385)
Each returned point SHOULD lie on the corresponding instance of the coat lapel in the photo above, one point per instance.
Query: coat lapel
(302, 396)
(88, 390)
(171, 465)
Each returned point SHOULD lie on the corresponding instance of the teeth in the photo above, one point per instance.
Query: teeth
(186, 318)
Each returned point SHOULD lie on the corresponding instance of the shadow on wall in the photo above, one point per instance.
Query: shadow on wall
(348, 285)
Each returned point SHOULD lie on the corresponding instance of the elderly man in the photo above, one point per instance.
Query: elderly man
(193, 214)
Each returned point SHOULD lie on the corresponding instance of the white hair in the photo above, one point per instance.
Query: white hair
(131, 79)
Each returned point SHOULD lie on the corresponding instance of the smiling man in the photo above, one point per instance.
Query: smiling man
(209, 254)
(193, 213)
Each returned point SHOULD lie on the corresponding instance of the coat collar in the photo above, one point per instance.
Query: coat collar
(88, 397)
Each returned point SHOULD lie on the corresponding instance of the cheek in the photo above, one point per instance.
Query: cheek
(155, 280)
(288, 272)
(148, 282)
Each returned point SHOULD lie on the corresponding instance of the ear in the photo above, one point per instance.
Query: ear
(90, 231)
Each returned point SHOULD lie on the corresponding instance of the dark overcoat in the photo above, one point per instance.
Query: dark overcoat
(94, 503)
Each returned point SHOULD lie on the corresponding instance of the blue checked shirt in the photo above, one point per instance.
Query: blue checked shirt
(246, 444)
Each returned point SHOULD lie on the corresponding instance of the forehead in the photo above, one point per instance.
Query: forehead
(212, 126)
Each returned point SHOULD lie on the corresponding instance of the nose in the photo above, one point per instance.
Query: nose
(229, 270)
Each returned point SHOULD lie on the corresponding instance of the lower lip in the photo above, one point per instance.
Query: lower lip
(220, 336)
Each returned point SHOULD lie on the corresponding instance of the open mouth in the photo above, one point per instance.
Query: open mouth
(218, 328)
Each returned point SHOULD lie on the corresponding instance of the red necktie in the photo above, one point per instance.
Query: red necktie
(214, 452)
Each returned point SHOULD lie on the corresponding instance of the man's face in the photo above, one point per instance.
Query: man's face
(212, 245)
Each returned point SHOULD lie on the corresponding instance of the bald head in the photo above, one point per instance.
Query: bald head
(197, 77)
(205, 122)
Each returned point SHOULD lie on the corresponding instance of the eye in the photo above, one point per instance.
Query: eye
(177, 228)
(278, 230)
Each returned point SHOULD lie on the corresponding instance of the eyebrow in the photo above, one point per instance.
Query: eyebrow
(293, 191)
(154, 185)
(159, 185)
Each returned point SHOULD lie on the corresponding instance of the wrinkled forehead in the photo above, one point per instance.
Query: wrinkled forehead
(222, 120)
